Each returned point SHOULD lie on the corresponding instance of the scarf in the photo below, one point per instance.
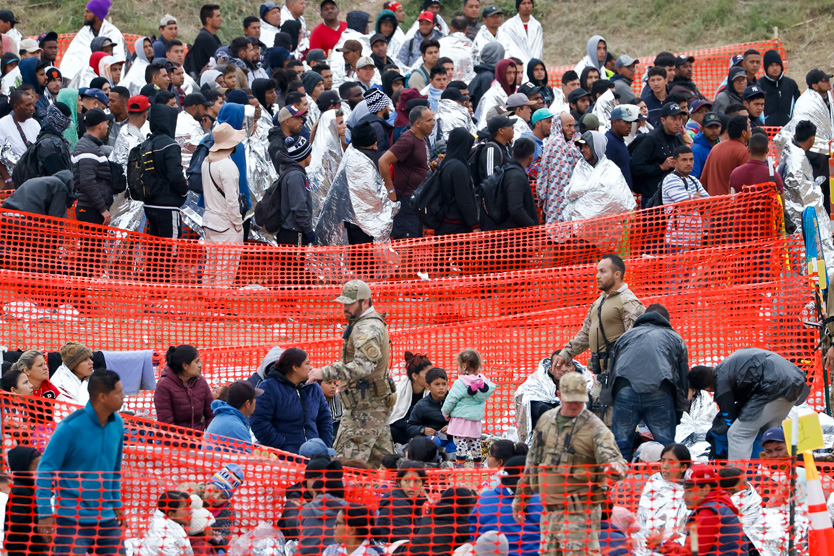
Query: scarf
(56, 119)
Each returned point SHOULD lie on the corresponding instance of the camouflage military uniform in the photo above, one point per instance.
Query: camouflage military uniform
(367, 391)
(565, 467)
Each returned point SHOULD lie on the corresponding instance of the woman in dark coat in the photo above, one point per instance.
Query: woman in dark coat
(446, 527)
(182, 396)
(22, 512)
(290, 412)
(456, 186)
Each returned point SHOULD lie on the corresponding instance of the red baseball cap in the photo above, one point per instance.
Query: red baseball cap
(138, 103)
(428, 16)
(700, 474)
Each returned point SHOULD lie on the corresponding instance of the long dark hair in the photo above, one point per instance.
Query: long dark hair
(178, 356)
(292, 357)
(414, 363)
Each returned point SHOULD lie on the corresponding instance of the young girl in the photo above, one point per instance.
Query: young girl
(465, 405)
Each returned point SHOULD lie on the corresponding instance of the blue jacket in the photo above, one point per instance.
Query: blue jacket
(617, 152)
(494, 512)
(700, 150)
(228, 424)
(80, 444)
(286, 415)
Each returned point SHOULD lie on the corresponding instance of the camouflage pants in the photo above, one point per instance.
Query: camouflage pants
(364, 435)
(573, 531)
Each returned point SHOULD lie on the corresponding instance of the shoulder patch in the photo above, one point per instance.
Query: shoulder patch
(371, 350)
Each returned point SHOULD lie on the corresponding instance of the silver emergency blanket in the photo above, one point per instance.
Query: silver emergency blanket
(603, 107)
(260, 171)
(189, 133)
(749, 504)
(695, 424)
(458, 48)
(599, 190)
(494, 98)
(127, 139)
(539, 387)
(263, 540)
(313, 113)
(451, 115)
(810, 106)
(192, 213)
(127, 214)
(326, 158)
(7, 157)
(337, 59)
(801, 191)
(358, 196)
(661, 510)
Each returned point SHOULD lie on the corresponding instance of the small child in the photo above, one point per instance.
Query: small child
(218, 499)
(426, 418)
(465, 406)
(330, 389)
(166, 534)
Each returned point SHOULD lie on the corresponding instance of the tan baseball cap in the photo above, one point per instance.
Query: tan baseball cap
(353, 291)
(572, 388)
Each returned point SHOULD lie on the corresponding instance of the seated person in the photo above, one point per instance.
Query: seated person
(218, 499)
(426, 418)
(400, 509)
(166, 534)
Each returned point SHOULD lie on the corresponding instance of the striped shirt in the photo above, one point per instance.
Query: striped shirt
(685, 227)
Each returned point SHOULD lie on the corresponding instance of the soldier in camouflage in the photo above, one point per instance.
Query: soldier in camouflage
(367, 391)
(572, 455)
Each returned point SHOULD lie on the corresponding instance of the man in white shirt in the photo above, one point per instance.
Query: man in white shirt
(19, 129)
(7, 23)
(522, 35)
(78, 53)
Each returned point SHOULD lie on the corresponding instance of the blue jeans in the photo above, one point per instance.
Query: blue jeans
(656, 409)
(102, 538)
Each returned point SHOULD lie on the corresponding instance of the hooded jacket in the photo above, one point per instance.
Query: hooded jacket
(53, 151)
(700, 149)
(48, 196)
(547, 90)
(647, 158)
(181, 404)
(446, 526)
(288, 415)
(228, 424)
(27, 68)
(485, 72)
(384, 131)
(234, 115)
(296, 201)
(728, 95)
(92, 179)
(780, 94)
(259, 89)
(22, 511)
(456, 186)
(597, 189)
(317, 521)
(651, 353)
(167, 158)
(687, 88)
(750, 378)
(497, 94)
(134, 79)
(590, 60)
(397, 516)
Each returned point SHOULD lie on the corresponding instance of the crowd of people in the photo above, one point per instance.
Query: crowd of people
(336, 134)
(323, 135)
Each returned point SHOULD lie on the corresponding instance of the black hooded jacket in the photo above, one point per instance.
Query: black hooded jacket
(484, 76)
(167, 158)
(358, 20)
(53, 151)
(547, 91)
(651, 356)
(259, 89)
(296, 200)
(456, 184)
(22, 511)
(780, 94)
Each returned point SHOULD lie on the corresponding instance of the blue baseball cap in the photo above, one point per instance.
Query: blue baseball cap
(541, 114)
(776, 434)
(314, 447)
(97, 94)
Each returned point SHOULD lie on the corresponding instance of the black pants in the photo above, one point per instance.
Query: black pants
(406, 223)
(819, 164)
(356, 236)
(91, 243)
(289, 237)
(163, 223)
(295, 272)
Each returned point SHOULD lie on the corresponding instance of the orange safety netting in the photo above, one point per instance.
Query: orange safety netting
(710, 68)
(158, 458)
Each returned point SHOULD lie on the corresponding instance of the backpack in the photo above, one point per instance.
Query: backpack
(142, 184)
(475, 158)
(493, 196)
(268, 212)
(27, 167)
(194, 173)
(427, 201)
(420, 70)
(632, 147)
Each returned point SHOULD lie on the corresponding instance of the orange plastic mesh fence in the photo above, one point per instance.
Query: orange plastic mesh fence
(710, 68)
(638, 499)
(54, 245)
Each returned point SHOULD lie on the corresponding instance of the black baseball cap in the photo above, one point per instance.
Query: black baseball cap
(496, 123)
(671, 109)
(682, 59)
(316, 55)
(453, 93)
(815, 76)
(196, 99)
(48, 36)
(576, 94)
(255, 42)
(324, 2)
(378, 37)
(710, 119)
(752, 91)
(529, 89)
(491, 10)
(95, 116)
(8, 16)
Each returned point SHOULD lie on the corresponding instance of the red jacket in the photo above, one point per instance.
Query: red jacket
(708, 525)
(183, 405)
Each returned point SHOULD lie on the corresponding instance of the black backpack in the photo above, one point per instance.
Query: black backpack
(142, 182)
(268, 212)
(194, 173)
(427, 201)
(493, 195)
(475, 158)
(27, 167)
